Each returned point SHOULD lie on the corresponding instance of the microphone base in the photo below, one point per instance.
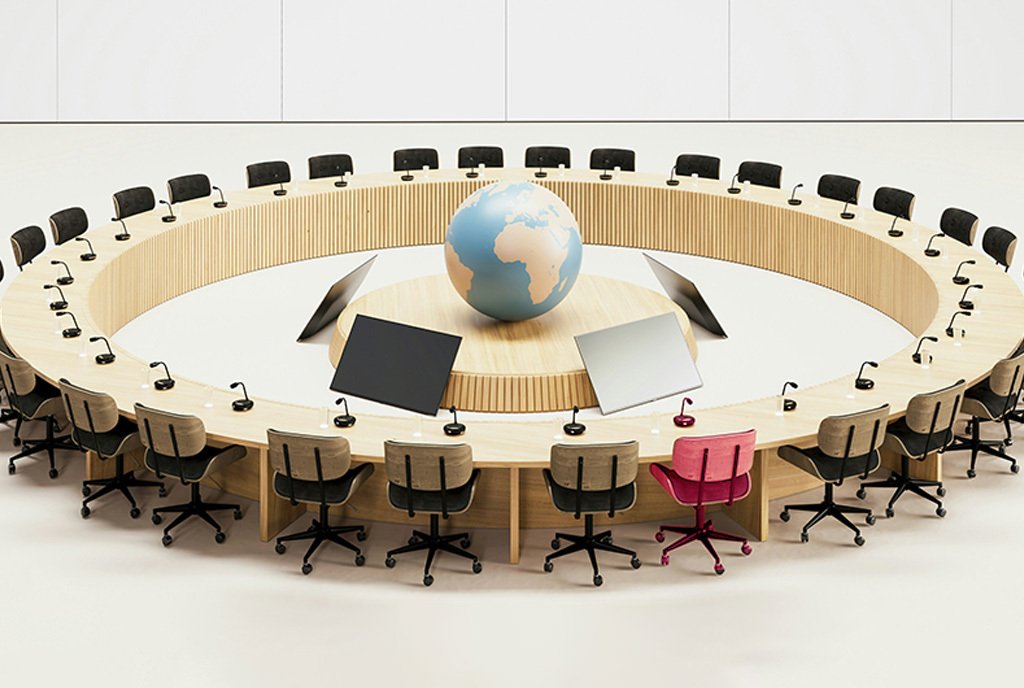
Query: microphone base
(87, 257)
(406, 177)
(672, 182)
(71, 332)
(895, 233)
(540, 174)
(58, 305)
(163, 384)
(105, 359)
(684, 421)
(961, 280)
(344, 421)
(454, 429)
(220, 204)
(242, 405)
(169, 218)
(604, 176)
(949, 331)
(574, 429)
(847, 216)
(789, 405)
(65, 281)
(341, 183)
(122, 237)
(472, 175)
(733, 189)
(280, 192)
(863, 383)
(916, 358)
(932, 252)
(795, 201)
(967, 305)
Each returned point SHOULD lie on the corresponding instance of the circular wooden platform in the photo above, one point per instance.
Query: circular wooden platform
(521, 367)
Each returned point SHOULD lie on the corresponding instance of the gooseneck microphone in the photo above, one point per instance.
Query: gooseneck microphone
(70, 332)
(241, 405)
(455, 428)
(280, 190)
(845, 213)
(733, 189)
(345, 420)
(91, 255)
(672, 181)
(57, 305)
(962, 279)
(67, 279)
(221, 203)
(164, 383)
(788, 404)
(928, 250)
(862, 382)
(966, 304)
(124, 235)
(572, 427)
(893, 232)
(170, 216)
(104, 358)
(916, 356)
(683, 420)
(949, 330)
(793, 200)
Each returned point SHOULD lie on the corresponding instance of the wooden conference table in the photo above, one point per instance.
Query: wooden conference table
(637, 210)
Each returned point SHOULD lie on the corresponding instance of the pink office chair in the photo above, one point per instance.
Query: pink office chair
(714, 469)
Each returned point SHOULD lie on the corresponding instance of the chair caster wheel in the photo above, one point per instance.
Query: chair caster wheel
(664, 560)
(360, 560)
(941, 491)
(870, 519)
(360, 535)
(16, 442)
(659, 536)
(220, 537)
(1015, 468)
(428, 580)
(167, 540)
(307, 568)
(784, 517)
(598, 580)
(971, 473)
(859, 541)
(53, 474)
(719, 569)
(390, 562)
(11, 470)
(238, 514)
(162, 492)
(86, 491)
(157, 519)
(556, 543)
(548, 567)
(477, 566)
(464, 543)
(280, 548)
(85, 512)
(940, 512)
(634, 562)
(804, 537)
(135, 512)
(862, 493)
(746, 549)
(889, 512)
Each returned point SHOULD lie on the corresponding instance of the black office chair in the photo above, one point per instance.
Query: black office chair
(32, 398)
(330, 165)
(409, 160)
(547, 156)
(760, 173)
(27, 243)
(176, 445)
(847, 446)
(892, 201)
(66, 224)
(704, 166)
(588, 479)
(926, 429)
(267, 173)
(438, 479)
(97, 426)
(473, 156)
(316, 470)
(188, 187)
(7, 413)
(128, 202)
(839, 188)
(999, 244)
(959, 224)
(607, 159)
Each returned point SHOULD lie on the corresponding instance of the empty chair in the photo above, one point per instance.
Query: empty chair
(7, 413)
(409, 159)
(588, 479)
(547, 156)
(97, 426)
(999, 244)
(330, 165)
(760, 173)
(609, 158)
(488, 156)
(847, 446)
(927, 428)
(316, 470)
(704, 166)
(27, 243)
(892, 201)
(959, 224)
(706, 470)
(188, 188)
(176, 445)
(66, 224)
(128, 202)
(839, 188)
(267, 173)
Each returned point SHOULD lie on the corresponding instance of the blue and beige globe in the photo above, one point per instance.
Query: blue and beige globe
(513, 250)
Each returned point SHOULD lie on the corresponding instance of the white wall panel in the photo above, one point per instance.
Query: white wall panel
(988, 59)
(397, 60)
(28, 60)
(837, 59)
(181, 60)
(604, 59)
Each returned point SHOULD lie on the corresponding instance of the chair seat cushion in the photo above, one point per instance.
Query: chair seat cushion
(900, 438)
(981, 402)
(192, 468)
(336, 491)
(459, 498)
(591, 502)
(715, 492)
(123, 438)
(828, 468)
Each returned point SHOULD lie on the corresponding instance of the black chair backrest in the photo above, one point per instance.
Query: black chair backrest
(488, 156)
(892, 201)
(128, 202)
(66, 224)
(705, 166)
(610, 158)
(839, 188)
(547, 156)
(959, 224)
(999, 244)
(27, 243)
(188, 187)
(267, 173)
(406, 159)
(330, 165)
(760, 173)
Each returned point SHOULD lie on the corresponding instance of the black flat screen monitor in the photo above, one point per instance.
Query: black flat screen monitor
(687, 296)
(335, 300)
(396, 364)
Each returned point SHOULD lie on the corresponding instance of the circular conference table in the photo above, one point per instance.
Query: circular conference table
(637, 210)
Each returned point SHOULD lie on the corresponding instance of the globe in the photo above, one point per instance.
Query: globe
(513, 250)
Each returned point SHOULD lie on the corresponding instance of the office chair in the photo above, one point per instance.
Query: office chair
(330, 165)
(7, 413)
(128, 202)
(993, 399)
(607, 159)
(438, 479)
(926, 428)
(959, 224)
(760, 173)
(32, 398)
(714, 469)
(893, 201)
(66, 224)
(267, 173)
(547, 156)
(704, 166)
(316, 470)
(27, 243)
(97, 426)
(188, 187)
(414, 159)
(474, 156)
(176, 445)
(999, 244)
(839, 188)
(847, 446)
(588, 479)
